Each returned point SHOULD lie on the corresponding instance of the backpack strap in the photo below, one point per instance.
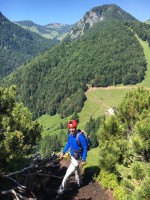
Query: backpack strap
(77, 138)
(78, 134)
(88, 141)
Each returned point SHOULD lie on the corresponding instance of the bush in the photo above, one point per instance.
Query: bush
(108, 180)
(120, 194)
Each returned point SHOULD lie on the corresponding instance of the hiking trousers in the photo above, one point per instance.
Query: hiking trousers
(73, 168)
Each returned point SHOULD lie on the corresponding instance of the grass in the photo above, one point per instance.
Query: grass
(51, 124)
(92, 157)
(97, 102)
(146, 81)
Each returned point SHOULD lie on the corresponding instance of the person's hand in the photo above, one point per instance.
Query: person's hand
(83, 162)
(61, 155)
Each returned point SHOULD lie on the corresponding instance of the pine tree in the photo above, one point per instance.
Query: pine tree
(124, 142)
(18, 133)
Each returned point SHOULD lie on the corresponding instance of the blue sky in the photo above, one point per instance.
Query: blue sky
(66, 11)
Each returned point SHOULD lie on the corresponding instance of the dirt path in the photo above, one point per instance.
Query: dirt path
(114, 88)
(90, 189)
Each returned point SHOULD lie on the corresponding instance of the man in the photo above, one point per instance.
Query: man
(76, 152)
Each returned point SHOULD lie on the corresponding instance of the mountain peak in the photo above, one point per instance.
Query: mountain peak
(56, 25)
(107, 12)
(3, 18)
(27, 23)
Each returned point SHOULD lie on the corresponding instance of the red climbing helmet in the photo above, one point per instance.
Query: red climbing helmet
(72, 124)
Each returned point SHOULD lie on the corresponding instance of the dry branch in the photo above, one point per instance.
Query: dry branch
(38, 167)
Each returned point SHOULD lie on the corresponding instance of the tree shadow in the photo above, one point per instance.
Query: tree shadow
(89, 174)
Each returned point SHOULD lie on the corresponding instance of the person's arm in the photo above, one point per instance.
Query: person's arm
(66, 147)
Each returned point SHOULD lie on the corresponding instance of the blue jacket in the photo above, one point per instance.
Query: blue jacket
(73, 145)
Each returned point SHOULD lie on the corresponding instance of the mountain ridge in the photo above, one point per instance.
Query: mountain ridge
(49, 31)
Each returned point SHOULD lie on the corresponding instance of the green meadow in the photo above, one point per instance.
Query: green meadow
(97, 102)
(92, 157)
(146, 81)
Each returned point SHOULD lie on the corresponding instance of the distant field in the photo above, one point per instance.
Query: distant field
(146, 81)
(98, 100)
(51, 124)
(95, 105)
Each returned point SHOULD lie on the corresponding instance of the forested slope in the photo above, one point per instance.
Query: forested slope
(18, 45)
(100, 58)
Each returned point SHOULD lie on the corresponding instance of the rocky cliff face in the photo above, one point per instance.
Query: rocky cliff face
(86, 22)
(98, 14)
